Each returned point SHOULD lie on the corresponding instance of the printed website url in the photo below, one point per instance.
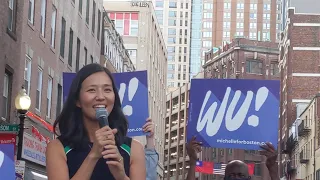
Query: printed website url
(237, 141)
(135, 130)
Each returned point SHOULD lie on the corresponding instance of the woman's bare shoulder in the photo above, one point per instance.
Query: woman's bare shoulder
(55, 147)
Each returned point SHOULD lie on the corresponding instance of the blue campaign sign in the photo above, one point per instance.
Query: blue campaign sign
(133, 91)
(7, 165)
(234, 113)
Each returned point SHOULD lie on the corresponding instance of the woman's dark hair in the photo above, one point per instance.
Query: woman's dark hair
(70, 121)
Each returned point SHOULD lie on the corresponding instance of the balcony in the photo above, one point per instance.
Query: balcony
(304, 157)
(283, 147)
(290, 167)
(291, 143)
(303, 129)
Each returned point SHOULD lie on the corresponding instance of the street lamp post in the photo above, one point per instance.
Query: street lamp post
(22, 103)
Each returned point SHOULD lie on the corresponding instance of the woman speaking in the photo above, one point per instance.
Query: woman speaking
(83, 149)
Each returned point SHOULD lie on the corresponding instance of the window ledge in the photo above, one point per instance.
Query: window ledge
(12, 34)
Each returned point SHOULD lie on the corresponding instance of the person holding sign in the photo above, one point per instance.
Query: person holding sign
(152, 157)
(235, 169)
(92, 142)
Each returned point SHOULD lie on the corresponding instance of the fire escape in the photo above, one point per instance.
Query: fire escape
(303, 131)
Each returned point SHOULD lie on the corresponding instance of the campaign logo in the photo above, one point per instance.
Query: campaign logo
(7, 165)
(229, 113)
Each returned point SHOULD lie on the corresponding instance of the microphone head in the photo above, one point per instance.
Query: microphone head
(102, 116)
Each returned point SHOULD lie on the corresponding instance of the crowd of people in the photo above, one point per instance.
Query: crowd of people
(86, 151)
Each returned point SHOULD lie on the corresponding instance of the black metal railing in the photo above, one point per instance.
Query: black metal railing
(303, 128)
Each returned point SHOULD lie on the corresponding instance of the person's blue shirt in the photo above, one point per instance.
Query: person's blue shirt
(152, 158)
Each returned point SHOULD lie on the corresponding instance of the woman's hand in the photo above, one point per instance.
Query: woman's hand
(149, 127)
(114, 159)
(103, 137)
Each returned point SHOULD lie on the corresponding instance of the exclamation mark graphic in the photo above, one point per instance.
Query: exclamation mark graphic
(132, 89)
(261, 98)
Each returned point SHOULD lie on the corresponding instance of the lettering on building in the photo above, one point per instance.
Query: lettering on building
(140, 4)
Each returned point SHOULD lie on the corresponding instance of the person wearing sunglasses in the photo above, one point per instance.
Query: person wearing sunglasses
(235, 169)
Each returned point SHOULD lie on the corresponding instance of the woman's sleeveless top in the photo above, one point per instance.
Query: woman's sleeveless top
(75, 158)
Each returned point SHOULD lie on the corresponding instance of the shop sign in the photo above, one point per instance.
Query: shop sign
(8, 139)
(140, 4)
(20, 169)
(9, 128)
(34, 150)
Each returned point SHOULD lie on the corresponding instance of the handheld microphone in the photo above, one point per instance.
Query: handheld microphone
(102, 116)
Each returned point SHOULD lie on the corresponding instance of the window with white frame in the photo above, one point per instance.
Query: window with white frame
(208, 6)
(226, 24)
(5, 96)
(227, 5)
(278, 26)
(239, 33)
(227, 15)
(207, 34)
(207, 44)
(240, 15)
(226, 34)
(240, 6)
(253, 35)
(43, 17)
(253, 6)
(119, 26)
(266, 16)
(240, 25)
(31, 12)
(27, 74)
(207, 25)
(49, 96)
(11, 17)
(134, 28)
(207, 15)
(266, 26)
(39, 89)
(267, 7)
(253, 16)
(253, 25)
(53, 26)
(265, 36)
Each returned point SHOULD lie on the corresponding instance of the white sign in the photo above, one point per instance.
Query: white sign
(34, 150)
(20, 169)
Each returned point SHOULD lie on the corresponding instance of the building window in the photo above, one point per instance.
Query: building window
(134, 28)
(226, 25)
(53, 26)
(170, 76)
(240, 15)
(49, 96)
(99, 24)
(227, 15)
(159, 3)
(133, 55)
(266, 26)
(226, 34)
(207, 25)
(31, 12)
(85, 56)
(91, 58)
(267, 7)
(43, 17)
(208, 6)
(172, 22)
(172, 31)
(239, 33)
(274, 69)
(11, 15)
(7, 83)
(254, 66)
(172, 4)
(39, 89)
(126, 23)
(63, 36)
(171, 49)
(266, 16)
(171, 67)
(240, 25)
(59, 100)
(253, 6)
(253, 35)
(253, 15)
(80, 6)
(227, 5)
(172, 13)
(257, 169)
(87, 11)
(207, 15)
(27, 74)
(70, 47)
(78, 55)
(253, 25)
(93, 17)
(171, 40)
(240, 6)
(207, 34)
(207, 44)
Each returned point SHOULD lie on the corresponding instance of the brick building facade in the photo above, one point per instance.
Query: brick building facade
(242, 59)
(300, 77)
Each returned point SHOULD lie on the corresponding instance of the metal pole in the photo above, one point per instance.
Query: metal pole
(22, 117)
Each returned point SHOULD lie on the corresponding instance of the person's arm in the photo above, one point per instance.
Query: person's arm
(56, 164)
(273, 172)
(192, 171)
(152, 159)
(138, 162)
